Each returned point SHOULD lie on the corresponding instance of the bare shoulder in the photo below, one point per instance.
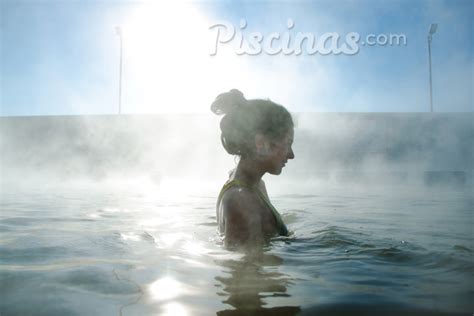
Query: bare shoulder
(241, 200)
(242, 217)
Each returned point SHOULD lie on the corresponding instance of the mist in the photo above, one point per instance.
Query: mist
(157, 152)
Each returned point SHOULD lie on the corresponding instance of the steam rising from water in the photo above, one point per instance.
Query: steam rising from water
(183, 152)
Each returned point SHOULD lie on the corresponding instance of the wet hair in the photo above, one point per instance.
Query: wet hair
(243, 119)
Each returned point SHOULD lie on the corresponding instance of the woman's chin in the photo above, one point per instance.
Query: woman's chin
(276, 171)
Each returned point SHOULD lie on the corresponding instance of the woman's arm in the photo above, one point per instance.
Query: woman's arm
(243, 220)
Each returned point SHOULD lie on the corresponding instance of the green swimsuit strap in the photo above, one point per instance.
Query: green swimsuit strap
(283, 230)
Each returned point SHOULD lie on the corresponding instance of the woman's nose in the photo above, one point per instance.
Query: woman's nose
(291, 154)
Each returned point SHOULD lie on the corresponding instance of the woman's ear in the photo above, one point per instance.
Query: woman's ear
(262, 145)
(259, 141)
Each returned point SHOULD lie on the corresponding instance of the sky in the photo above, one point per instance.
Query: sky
(63, 57)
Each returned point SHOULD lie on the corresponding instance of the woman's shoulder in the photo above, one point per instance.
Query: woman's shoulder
(241, 201)
(238, 196)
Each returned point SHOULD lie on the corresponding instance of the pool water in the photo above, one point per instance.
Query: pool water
(104, 252)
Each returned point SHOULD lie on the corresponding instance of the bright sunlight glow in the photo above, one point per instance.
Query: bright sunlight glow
(166, 61)
(174, 309)
(165, 289)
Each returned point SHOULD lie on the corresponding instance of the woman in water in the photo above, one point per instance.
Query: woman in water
(261, 133)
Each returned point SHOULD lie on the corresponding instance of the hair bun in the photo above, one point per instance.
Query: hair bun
(228, 102)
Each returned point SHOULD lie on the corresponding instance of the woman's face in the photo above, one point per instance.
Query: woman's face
(279, 153)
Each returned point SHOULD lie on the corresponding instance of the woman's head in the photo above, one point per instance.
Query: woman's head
(250, 126)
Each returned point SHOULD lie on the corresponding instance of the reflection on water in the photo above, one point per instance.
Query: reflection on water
(165, 289)
(174, 309)
(250, 281)
(99, 254)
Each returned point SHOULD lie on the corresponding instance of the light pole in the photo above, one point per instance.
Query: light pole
(432, 30)
(118, 30)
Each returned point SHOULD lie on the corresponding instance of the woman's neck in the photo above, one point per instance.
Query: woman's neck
(248, 171)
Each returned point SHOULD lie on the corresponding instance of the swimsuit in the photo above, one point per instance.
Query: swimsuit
(282, 229)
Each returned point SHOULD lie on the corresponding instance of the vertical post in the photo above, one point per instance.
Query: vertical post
(431, 85)
(432, 30)
(118, 30)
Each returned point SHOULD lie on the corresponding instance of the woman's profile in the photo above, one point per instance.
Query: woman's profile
(260, 133)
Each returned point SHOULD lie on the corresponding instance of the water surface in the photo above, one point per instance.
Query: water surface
(103, 252)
